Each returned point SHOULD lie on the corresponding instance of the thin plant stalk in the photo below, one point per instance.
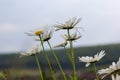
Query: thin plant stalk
(72, 56)
(59, 65)
(39, 67)
(119, 72)
(95, 70)
(51, 69)
(2, 76)
(68, 54)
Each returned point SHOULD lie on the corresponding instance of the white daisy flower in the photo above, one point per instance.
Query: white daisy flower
(90, 60)
(48, 33)
(117, 77)
(115, 67)
(62, 44)
(36, 32)
(70, 24)
(30, 52)
(45, 33)
(72, 37)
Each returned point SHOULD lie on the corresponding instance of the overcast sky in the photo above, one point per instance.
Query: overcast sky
(100, 20)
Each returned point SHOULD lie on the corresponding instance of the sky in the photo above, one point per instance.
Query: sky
(100, 20)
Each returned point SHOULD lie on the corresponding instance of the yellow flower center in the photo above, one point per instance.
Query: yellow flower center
(38, 32)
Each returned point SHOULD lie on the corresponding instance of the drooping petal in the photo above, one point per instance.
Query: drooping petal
(87, 64)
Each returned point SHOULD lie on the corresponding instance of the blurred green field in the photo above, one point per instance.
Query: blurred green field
(29, 74)
(15, 74)
(16, 68)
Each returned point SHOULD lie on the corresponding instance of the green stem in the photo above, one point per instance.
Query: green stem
(39, 67)
(59, 65)
(95, 69)
(119, 72)
(51, 69)
(68, 54)
(2, 76)
(72, 56)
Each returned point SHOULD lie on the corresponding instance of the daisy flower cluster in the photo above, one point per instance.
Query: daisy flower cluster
(112, 69)
(72, 34)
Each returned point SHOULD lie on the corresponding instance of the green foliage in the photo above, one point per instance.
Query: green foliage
(25, 68)
(14, 61)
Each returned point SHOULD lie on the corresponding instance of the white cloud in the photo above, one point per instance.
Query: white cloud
(7, 27)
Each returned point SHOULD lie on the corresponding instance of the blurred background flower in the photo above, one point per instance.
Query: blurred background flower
(88, 60)
(32, 51)
(113, 69)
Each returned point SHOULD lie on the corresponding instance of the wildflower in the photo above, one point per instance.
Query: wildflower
(30, 52)
(94, 59)
(48, 32)
(62, 44)
(115, 67)
(35, 32)
(117, 77)
(70, 24)
(72, 37)
(38, 32)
